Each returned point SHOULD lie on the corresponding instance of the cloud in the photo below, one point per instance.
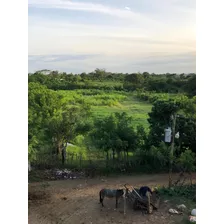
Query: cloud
(158, 63)
(63, 63)
(52, 37)
(90, 7)
(79, 36)
(56, 58)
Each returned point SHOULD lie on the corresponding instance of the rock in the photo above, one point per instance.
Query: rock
(192, 218)
(193, 212)
(173, 211)
(181, 207)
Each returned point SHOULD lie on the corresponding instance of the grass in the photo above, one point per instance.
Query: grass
(180, 195)
(104, 103)
(131, 105)
(36, 176)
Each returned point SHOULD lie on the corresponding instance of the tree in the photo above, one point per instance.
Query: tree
(190, 86)
(42, 105)
(115, 133)
(141, 138)
(133, 81)
(165, 113)
(104, 135)
(100, 74)
(51, 121)
(126, 133)
(65, 125)
(160, 118)
(187, 161)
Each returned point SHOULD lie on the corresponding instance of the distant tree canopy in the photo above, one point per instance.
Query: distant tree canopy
(160, 83)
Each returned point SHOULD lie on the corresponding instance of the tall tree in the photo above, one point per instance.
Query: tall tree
(66, 123)
(52, 121)
(165, 113)
(115, 133)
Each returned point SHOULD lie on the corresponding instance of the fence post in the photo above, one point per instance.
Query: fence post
(80, 160)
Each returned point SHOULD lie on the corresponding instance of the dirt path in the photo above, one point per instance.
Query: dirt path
(77, 202)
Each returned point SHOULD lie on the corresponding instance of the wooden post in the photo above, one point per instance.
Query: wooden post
(172, 149)
(136, 192)
(148, 205)
(124, 196)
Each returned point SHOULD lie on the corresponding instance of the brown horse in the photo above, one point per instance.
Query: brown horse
(118, 193)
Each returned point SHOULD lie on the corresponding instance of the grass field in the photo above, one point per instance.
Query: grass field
(103, 103)
(138, 110)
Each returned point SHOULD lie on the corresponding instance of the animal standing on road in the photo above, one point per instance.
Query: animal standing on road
(109, 193)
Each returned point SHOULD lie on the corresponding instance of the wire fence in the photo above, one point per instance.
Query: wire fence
(100, 163)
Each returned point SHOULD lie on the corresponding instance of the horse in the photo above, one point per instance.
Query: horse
(109, 193)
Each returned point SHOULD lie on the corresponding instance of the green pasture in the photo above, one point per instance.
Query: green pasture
(103, 103)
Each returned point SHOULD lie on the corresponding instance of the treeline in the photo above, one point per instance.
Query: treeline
(100, 79)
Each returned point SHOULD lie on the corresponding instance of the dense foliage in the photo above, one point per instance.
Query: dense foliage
(100, 79)
(111, 120)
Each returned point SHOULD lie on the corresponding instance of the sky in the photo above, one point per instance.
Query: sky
(117, 35)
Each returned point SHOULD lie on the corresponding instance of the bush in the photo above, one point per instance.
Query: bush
(187, 161)
(186, 191)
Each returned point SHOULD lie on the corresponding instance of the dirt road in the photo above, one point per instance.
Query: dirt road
(77, 202)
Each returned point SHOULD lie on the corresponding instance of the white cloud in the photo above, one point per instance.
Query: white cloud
(126, 45)
(48, 37)
(159, 64)
(90, 7)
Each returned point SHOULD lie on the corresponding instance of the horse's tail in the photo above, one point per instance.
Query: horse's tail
(100, 194)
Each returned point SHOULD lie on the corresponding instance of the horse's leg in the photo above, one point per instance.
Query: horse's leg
(124, 196)
(116, 201)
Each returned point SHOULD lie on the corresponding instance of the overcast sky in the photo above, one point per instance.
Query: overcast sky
(118, 35)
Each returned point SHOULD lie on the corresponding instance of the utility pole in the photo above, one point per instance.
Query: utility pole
(174, 116)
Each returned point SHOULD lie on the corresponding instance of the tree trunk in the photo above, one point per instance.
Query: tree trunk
(107, 158)
(113, 155)
(62, 157)
(63, 154)
(58, 148)
(118, 155)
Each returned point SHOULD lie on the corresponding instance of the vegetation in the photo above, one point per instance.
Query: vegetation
(178, 195)
(112, 121)
(185, 191)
